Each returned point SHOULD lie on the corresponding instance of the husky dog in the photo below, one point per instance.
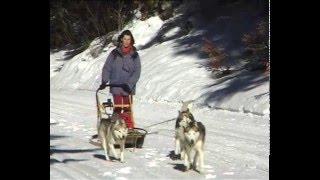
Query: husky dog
(194, 140)
(111, 131)
(184, 118)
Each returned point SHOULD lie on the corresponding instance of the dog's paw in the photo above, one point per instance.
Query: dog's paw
(186, 168)
(200, 171)
(174, 157)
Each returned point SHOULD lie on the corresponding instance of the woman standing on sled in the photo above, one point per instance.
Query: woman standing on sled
(122, 67)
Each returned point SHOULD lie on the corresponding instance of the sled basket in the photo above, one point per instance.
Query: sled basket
(136, 137)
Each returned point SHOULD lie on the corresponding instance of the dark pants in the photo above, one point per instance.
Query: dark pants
(125, 114)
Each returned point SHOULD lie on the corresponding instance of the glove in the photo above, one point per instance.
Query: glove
(103, 85)
(126, 88)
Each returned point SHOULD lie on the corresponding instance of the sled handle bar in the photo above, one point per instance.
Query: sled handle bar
(111, 85)
(115, 85)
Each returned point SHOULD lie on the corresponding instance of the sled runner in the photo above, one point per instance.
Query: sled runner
(135, 137)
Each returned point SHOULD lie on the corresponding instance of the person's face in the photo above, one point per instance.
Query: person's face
(126, 40)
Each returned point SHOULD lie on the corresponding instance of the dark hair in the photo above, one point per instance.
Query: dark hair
(126, 32)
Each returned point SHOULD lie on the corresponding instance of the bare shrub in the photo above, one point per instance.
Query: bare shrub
(257, 47)
(216, 55)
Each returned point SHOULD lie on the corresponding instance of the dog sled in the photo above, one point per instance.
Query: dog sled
(135, 137)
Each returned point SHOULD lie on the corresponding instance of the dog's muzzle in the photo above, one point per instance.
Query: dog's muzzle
(191, 142)
(121, 138)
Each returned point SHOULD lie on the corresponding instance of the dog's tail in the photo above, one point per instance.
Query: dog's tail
(186, 105)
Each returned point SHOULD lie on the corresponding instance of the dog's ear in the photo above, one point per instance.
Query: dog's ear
(195, 123)
(179, 114)
(191, 117)
(116, 122)
(122, 122)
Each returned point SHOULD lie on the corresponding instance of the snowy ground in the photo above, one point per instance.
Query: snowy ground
(237, 145)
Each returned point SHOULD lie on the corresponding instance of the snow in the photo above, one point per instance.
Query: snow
(234, 109)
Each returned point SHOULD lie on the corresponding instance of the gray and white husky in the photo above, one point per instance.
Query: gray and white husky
(111, 131)
(194, 140)
(183, 120)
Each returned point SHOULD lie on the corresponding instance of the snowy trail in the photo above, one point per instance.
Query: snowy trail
(237, 144)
